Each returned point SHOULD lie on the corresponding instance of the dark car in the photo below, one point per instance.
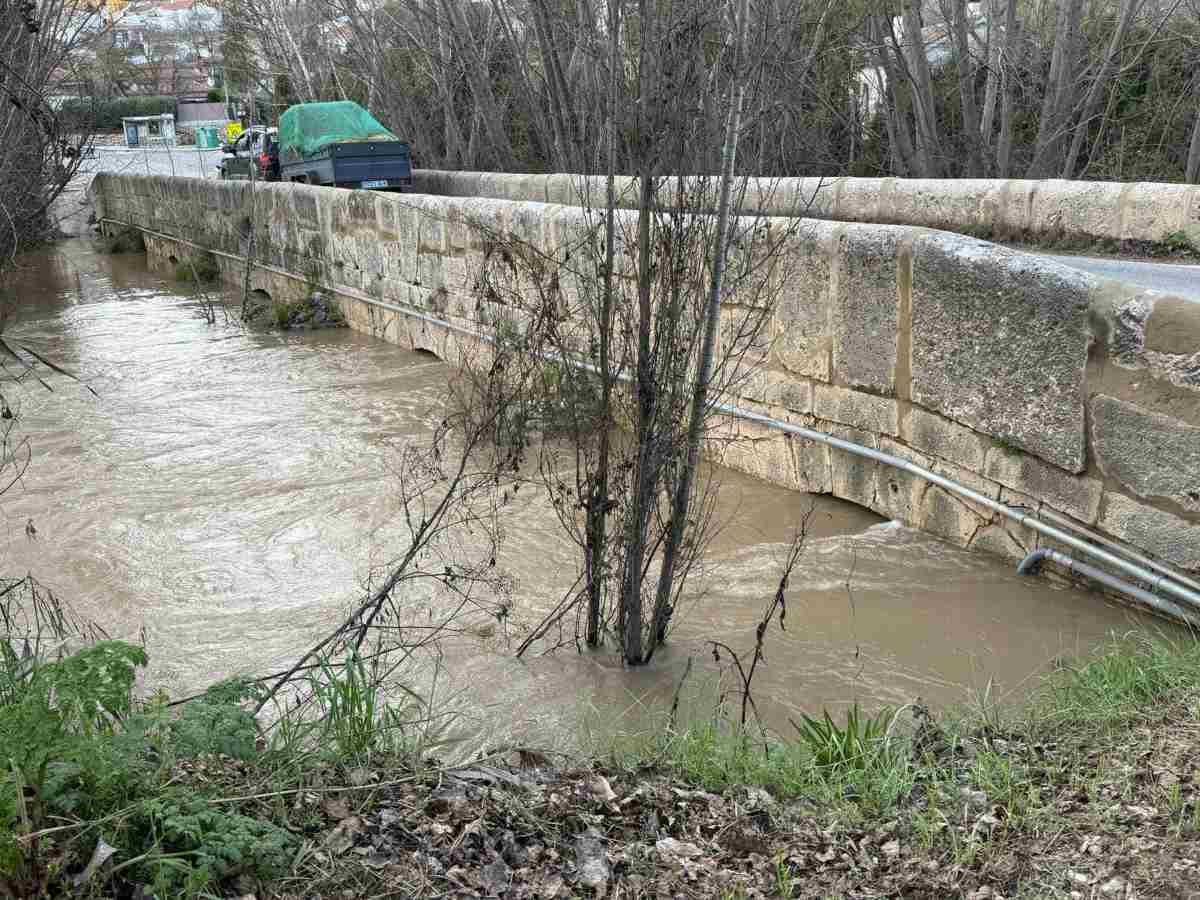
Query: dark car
(257, 147)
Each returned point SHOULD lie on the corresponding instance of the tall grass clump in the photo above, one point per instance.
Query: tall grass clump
(1127, 677)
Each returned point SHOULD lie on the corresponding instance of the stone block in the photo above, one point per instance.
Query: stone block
(529, 224)
(560, 189)
(789, 197)
(864, 308)
(1089, 208)
(877, 415)
(464, 184)
(859, 199)
(763, 452)
(793, 394)
(948, 440)
(949, 514)
(1075, 495)
(779, 389)
(853, 477)
(1173, 326)
(801, 339)
(935, 203)
(898, 491)
(744, 333)
(1150, 212)
(1000, 342)
(811, 464)
(1151, 455)
(1000, 539)
(1152, 530)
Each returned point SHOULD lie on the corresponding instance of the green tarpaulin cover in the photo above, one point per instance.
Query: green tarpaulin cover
(311, 127)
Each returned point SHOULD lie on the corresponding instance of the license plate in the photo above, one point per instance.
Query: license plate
(375, 184)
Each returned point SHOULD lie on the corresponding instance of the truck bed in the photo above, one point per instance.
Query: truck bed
(375, 165)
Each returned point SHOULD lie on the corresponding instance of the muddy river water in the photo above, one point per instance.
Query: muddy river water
(231, 491)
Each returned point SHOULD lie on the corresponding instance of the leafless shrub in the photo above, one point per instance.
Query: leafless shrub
(450, 491)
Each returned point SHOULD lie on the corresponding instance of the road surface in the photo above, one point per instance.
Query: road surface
(1180, 279)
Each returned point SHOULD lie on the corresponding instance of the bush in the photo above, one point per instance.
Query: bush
(77, 748)
(199, 269)
(91, 114)
(129, 240)
(216, 842)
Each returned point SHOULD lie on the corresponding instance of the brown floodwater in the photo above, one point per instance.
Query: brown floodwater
(231, 491)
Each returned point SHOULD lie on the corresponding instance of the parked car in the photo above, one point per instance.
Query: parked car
(340, 144)
(256, 148)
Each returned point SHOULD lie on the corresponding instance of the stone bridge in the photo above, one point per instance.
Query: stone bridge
(1035, 386)
(1088, 212)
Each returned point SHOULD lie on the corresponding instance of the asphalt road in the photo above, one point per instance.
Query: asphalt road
(1180, 279)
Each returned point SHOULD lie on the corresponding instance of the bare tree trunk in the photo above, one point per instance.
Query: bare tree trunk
(896, 116)
(598, 507)
(1057, 99)
(644, 381)
(680, 502)
(987, 119)
(1129, 11)
(1192, 171)
(534, 104)
(560, 102)
(1008, 91)
(481, 86)
(966, 91)
(922, 84)
(311, 93)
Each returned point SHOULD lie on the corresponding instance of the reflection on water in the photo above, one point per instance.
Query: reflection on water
(232, 491)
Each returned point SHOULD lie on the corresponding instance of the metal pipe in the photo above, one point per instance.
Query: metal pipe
(1156, 579)
(1033, 561)
(1064, 522)
(1189, 596)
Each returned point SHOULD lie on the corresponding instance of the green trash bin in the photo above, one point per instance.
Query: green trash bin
(206, 138)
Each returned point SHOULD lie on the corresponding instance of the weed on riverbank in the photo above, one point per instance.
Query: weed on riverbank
(1091, 790)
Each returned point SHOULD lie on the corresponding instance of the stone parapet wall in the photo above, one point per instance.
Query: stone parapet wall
(1000, 209)
(1031, 383)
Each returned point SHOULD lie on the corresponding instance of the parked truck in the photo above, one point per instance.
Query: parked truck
(340, 144)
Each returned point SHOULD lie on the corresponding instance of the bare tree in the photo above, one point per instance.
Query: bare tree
(1192, 171)
(39, 151)
(1129, 9)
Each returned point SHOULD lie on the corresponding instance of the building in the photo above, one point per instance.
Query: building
(938, 40)
(151, 131)
(162, 47)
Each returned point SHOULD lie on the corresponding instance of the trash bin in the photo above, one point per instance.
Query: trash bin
(206, 138)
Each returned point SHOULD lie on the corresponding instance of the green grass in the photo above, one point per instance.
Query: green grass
(1178, 241)
(1120, 681)
(714, 756)
(862, 766)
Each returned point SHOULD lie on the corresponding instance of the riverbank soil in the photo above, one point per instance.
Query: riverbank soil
(1091, 791)
(1071, 813)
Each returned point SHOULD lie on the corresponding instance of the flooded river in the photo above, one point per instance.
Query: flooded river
(231, 491)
